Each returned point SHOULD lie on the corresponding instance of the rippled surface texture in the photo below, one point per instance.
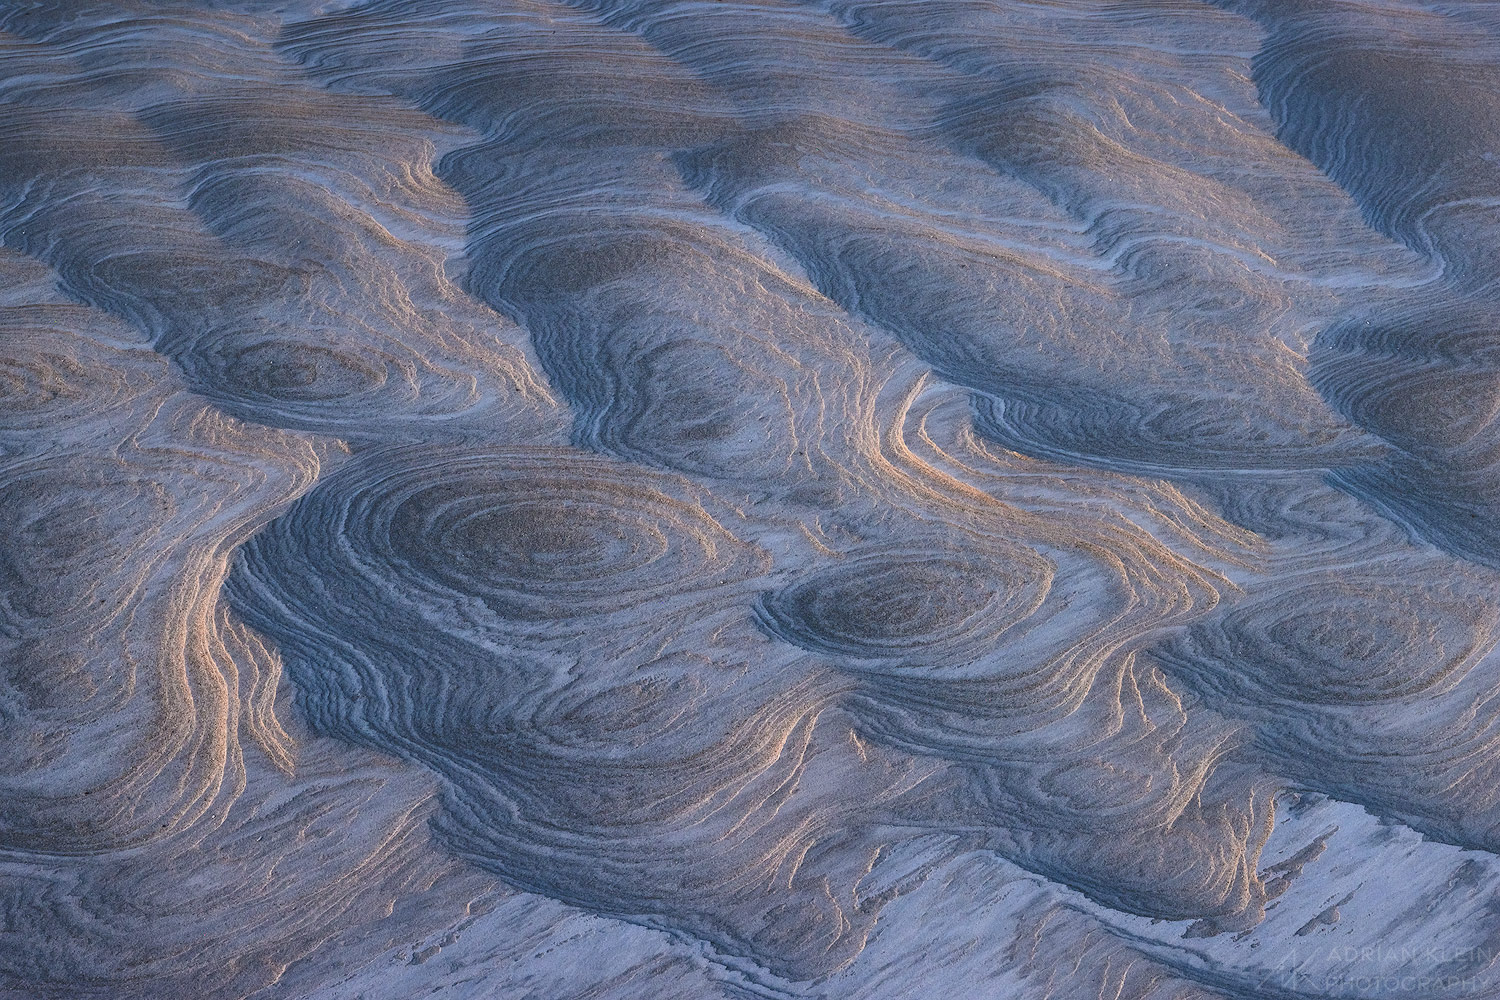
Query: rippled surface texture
(701, 498)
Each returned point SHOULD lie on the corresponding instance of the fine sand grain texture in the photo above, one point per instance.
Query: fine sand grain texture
(826, 499)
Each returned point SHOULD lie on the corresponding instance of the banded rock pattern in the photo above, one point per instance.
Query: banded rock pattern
(828, 498)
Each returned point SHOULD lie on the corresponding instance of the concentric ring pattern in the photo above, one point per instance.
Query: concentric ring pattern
(749, 499)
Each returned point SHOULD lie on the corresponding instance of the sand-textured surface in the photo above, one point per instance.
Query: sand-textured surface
(782, 499)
